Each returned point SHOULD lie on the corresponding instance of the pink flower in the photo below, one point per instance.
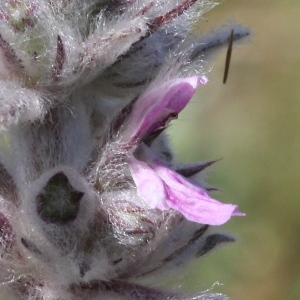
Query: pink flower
(161, 187)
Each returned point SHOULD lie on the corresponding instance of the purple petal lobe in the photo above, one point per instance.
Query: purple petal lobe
(149, 186)
(157, 106)
(163, 188)
(192, 201)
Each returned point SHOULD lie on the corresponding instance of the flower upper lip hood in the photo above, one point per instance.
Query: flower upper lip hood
(157, 106)
(156, 183)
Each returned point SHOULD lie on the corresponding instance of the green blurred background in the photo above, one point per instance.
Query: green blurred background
(253, 123)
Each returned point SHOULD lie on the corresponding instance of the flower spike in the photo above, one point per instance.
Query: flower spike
(92, 203)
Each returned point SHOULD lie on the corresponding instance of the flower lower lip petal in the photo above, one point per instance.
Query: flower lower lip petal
(149, 186)
(192, 201)
(163, 188)
(200, 209)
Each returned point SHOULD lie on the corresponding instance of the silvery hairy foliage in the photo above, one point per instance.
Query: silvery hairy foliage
(92, 204)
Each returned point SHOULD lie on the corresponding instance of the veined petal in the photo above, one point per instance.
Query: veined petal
(192, 201)
(149, 185)
(163, 188)
(157, 106)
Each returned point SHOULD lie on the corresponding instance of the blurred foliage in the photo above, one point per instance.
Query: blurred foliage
(253, 123)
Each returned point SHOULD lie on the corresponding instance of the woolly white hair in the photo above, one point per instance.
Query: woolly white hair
(68, 71)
